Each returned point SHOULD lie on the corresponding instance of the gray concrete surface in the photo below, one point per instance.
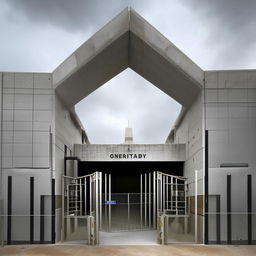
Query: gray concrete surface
(173, 250)
(129, 238)
(128, 41)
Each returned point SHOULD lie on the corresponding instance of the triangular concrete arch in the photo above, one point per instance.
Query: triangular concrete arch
(128, 41)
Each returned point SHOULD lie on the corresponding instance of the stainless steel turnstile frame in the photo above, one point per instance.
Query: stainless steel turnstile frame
(95, 193)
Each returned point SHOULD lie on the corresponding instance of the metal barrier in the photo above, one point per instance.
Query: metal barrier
(161, 229)
(163, 204)
(91, 230)
(177, 209)
(126, 212)
(81, 211)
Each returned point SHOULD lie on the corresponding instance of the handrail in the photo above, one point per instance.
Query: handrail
(174, 176)
(80, 177)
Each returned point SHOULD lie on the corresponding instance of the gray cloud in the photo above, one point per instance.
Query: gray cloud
(235, 14)
(231, 25)
(216, 34)
(37, 35)
(72, 15)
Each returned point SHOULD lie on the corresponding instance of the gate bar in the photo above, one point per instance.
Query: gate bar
(154, 199)
(76, 197)
(171, 193)
(90, 195)
(149, 200)
(167, 192)
(100, 196)
(145, 200)
(128, 206)
(106, 185)
(195, 206)
(81, 197)
(157, 199)
(141, 201)
(97, 206)
(85, 199)
(109, 206)
(177, 191)
(163, 186)
(161, 192)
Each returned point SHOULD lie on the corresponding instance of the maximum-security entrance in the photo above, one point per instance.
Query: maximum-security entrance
(163, 203)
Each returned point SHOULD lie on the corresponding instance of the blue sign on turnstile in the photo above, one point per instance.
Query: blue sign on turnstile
(110, 202)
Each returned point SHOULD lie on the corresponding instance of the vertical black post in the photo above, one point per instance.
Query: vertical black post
(65, 161)
(31, 210)
(53, 213)
(249, 207)
(229, 236)
(218, 219)
(41, 219)
(9, 211)
(65, 166)
(206, 188)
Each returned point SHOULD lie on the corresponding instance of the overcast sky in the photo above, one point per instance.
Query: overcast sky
(37, 35)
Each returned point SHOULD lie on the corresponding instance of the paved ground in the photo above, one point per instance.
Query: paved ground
(129, 238)
(171, 250)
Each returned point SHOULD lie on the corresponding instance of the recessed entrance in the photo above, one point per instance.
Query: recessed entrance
(128, 196)
(128, 203)
(125, 176)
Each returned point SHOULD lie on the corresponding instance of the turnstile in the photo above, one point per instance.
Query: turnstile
(81, 211)
(90, 206)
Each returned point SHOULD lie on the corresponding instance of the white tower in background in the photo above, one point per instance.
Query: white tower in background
(128, 137)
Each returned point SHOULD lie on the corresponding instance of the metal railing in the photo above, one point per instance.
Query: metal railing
(81, 211)
(129, 212)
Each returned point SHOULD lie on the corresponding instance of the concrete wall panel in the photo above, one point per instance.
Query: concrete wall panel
(26, 110)
(7, 150)
(23, 115)
(43, 102)
(22, 126)
(23, 80)
(23, 101)
(67, 133)
(231, 121)
(8, 80)
(7, 115)
(42, 81)
(22, 137)
(8, 101)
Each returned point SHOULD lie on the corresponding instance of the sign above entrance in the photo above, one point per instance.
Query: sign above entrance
(131, 152)
(128, 156)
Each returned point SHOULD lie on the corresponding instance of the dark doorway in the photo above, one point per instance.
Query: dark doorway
(125, 176)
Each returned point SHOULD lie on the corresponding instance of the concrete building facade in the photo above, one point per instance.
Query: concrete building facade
(209, 151)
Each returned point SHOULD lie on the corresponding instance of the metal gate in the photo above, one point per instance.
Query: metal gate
(163, 204)
(176, 207)
(81, 211)
(128, 211)
(160, 195)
